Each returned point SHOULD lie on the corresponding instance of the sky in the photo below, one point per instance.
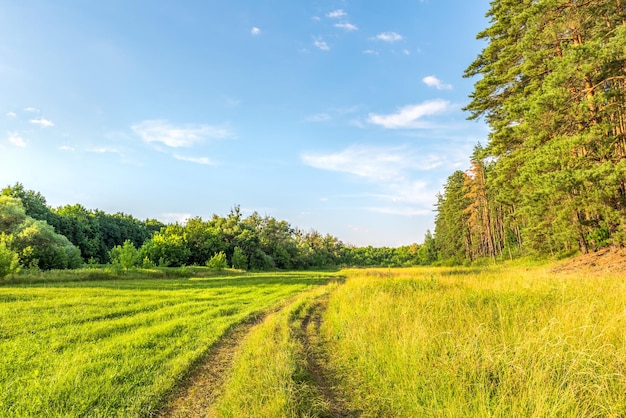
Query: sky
(341, 116)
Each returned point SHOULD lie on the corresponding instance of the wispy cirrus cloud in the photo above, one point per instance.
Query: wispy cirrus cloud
(432, 81)
(393, 171)
(195, 160)
(31, 109)
(409, 117)
(16, 139)
(66, 148)
(389, 37)
(103, 150)
(349, 27)
(337, 14)
(377, 164)
(176, 136)
(44, 123)
(319, 117)
(11, 115)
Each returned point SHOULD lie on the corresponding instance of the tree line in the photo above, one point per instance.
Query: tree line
(35, 235)
(552, 177)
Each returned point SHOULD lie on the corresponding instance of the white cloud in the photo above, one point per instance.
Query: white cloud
(66, 148)
(15, 139)
(103, 150)
(255, 31)
(196, 160)
(408, 117)
(432, 81)
(319, 117)
(31, 109)
(11, 115)
(175, 136)
(347, 26)
(392, 170)
(319, 43)
(370, 52)
(406, 52)
(336, 14)
(388, 36)
(377, 164)
(316, 18)
(44, 123)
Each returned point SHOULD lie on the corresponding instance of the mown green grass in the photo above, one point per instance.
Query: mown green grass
(117, 347)
(479, 342)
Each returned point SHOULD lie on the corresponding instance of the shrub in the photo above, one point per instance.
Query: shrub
(217, 262)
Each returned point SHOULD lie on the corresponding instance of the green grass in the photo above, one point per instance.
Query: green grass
(270, 376)
(117, 347)
(497, 342)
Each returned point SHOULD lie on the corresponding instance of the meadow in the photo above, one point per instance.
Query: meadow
(446, 342)
(117, 347)
(429, 342)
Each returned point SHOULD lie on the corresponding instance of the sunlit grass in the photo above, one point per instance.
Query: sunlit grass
(495, 342)
(116, 347)
(270, 377)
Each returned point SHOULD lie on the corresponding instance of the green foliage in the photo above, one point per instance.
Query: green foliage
(552, 179)
(125, 255)
(168, 247)
(9, 259)
(239, 259)
(42, 247)
(217, 262)
(12, 214)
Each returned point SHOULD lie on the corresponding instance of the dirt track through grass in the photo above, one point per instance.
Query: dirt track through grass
(197, 393)
(271, 365)
(316, 359)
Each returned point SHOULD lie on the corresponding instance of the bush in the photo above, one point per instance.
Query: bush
(239, 260)
(217, 262)
(9, 259)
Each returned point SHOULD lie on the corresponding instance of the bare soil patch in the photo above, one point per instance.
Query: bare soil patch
(605, 260)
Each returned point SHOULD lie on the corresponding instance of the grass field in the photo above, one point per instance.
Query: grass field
(117, 347)
(421, 342)
(493, 342)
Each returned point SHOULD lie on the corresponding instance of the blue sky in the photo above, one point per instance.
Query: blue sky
(339, 116)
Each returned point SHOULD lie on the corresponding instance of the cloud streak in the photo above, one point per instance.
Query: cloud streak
(392, 169)
(177, 136)
(376, 164)
(195, 160)
(44, 123)
(409, 117)
(388, 37)
(321, 44)
(432, 81)
(255, 31)
(337, 14)
(349, 27)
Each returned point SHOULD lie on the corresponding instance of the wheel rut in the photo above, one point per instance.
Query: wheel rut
(199, 390)
(317, 360)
